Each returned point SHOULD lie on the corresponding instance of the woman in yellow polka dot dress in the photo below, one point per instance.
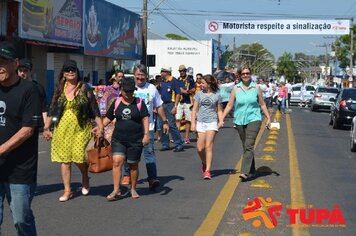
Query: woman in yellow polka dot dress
(74, 106)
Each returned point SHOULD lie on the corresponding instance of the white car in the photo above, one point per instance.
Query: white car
(295, 97)
(353, 135)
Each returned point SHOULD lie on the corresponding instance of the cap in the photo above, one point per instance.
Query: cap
(7, 51)
(69, 64)
(128, 84)
(25, 62)
(166, 69)
(182, 67)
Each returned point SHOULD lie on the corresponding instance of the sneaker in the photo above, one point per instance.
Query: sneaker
(207, 175)
(153, 183)
(178, 149)
(187, 140)
(126, 180)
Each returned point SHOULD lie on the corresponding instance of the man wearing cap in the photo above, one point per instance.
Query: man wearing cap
(187, 89)
(24, 71)
(170, 94)
(20, 115)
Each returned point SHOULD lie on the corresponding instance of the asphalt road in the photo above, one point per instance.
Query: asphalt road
(186, 203)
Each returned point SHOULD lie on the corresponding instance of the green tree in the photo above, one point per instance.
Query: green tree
(342, 49)
(254, 55)
(175, 36)
(287, 67)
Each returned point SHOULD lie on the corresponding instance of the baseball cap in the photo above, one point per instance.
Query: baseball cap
(7, 51)
(182, 67)
(166, 68)
(25, 62)
(128, 84)
(70, 64)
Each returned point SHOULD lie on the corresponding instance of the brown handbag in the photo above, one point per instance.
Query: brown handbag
(100, 156)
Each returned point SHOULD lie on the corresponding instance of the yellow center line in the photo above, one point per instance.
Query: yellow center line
(217, 211)
(296, 188)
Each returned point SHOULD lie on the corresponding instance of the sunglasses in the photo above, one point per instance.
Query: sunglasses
(70, 69)
(129, 91)
(181, 70)
(247, 73)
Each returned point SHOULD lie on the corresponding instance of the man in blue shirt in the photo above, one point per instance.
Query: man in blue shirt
(170, 93)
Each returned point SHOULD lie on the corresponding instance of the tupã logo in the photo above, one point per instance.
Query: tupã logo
(263, 210)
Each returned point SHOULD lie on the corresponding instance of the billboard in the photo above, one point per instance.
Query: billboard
(52, 21)
(172, 53)
(331, 27)
(112, 31)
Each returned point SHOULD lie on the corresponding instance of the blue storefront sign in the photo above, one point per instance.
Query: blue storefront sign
(112, 31)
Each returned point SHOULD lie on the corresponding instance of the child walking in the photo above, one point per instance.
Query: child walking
(206, 113)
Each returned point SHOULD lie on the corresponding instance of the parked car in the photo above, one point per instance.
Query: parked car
(344, 108)
(321, 98)
(353, 135)
(295, 96)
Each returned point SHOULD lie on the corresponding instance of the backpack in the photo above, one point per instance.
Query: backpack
(119, 99)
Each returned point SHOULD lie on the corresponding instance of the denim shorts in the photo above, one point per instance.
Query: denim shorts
(202, 127)
(131, 150)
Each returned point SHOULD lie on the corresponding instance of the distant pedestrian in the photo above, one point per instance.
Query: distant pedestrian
(170, 94)
(206, 115)
(282, 97)
(248, 101)
(289, 88)
(24, 71)
(187, 90)
(20, 117)
(131, 133)
(73, 107)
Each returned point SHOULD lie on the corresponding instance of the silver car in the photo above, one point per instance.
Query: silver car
(322, 96)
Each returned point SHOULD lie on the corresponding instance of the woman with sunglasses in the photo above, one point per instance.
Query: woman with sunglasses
(247, 99)
(72, 109)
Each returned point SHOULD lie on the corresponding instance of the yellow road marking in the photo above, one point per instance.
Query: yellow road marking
(267, 157)
(271, 142)
(269, 149)
(260, 183)
(217, 211)
(296, 188)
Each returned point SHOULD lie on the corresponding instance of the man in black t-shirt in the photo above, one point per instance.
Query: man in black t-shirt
(20, 114)
(187, 89)
(24, 71)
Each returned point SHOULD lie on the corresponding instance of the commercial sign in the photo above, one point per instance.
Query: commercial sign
(52, 21)
(265, 211)
(338, 27)
(112, 31)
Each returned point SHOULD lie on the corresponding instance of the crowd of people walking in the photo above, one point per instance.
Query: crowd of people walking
(127, 113)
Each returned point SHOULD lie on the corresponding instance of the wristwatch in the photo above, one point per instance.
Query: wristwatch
(165, 122)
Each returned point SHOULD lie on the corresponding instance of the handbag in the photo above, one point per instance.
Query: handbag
(100, 156)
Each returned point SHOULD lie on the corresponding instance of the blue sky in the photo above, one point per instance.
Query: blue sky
(200, 10)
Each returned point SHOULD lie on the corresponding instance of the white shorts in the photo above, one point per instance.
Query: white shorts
(184, 108)
(203, 127)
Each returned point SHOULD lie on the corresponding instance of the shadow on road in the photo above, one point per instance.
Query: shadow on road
(163, 189)
(261, 172)
(216, 173)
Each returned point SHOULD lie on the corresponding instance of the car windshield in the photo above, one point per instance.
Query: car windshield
(328, 90)
(297, 88)
(349, 94)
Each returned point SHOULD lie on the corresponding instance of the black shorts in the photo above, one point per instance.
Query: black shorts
(131, 150)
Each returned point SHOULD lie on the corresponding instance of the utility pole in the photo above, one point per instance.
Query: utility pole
(218, 53)
(144, 32)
